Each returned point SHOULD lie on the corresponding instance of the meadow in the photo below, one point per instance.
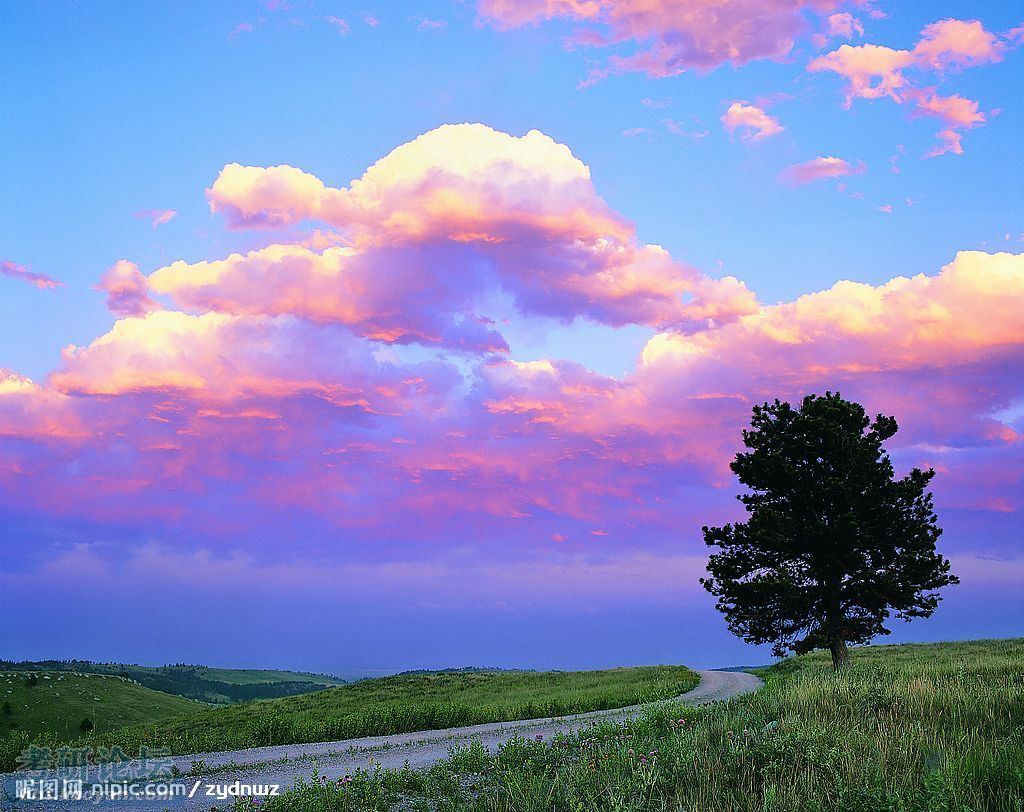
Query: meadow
(56, 703)
(913, 728)
(399, 704)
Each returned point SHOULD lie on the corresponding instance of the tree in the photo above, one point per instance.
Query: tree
(833, 543)
(87, 725)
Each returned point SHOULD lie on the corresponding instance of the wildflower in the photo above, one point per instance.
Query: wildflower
(630, 752)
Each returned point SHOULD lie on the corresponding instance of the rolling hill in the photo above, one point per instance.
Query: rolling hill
(58, 702)
(220, 686)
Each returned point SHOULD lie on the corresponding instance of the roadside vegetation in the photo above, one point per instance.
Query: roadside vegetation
(913, 728)
(399, 704)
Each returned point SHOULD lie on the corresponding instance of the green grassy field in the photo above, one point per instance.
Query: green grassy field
(393, 705)
(59, 701)
(917, 728)
(212, 685)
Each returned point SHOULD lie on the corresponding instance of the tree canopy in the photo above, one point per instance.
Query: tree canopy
(834, 544)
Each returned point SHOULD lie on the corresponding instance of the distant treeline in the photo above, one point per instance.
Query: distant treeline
(186, 681)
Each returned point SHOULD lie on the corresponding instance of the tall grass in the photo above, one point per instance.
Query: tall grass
(918, 728)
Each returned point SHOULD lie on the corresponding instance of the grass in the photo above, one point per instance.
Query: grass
(396, 704)
(210, 685)
(58, 701)
(915, 728)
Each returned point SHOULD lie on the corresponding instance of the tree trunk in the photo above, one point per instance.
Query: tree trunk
(840, 654)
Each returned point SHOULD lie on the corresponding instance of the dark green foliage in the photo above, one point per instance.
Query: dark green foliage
(7, 709)
(31, 681)
(87, 725)
(834, 543)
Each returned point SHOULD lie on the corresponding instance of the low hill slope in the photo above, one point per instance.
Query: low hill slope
(212, 685)
(58, 702)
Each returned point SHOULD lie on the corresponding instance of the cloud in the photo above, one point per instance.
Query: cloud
(673, 35)
(820, 169)
(957, 44)
(338, 23)
(955, 112)
(39, 280)
(469, 210)
(157, 217)
(262, 401)
(126, 289)
(877, 71)
(753, 122)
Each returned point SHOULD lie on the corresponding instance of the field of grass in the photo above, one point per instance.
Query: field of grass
(915, 728)
(212, 685)
(399, 704)
(57, 702)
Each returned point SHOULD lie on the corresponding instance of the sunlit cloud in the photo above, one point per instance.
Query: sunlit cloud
(820, 169)
(156, 217)
(674, 35)
(753, 123)
(876, 71)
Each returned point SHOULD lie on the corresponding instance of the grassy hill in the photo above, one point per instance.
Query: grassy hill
(212, 685)
(56, 702)
(914, 728)
(398, 704)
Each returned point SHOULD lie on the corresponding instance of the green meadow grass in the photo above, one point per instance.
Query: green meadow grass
(59, 700)
(915, 728)
(396, 704)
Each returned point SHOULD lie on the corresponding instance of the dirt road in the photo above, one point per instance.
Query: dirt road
(284, 764)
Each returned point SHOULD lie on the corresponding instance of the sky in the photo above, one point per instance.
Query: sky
(356, 337)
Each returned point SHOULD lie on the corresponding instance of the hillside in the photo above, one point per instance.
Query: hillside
(404, 703)
(220, 686)
(57, 702)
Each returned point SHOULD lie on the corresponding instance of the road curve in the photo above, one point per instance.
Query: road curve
(285, 764)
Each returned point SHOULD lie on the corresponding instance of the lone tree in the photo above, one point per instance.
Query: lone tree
(834, 543)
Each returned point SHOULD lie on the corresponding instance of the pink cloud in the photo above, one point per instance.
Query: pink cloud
(957, 44)
(126, 289)
(431, 25)
(955, 112)
(876, 71)
(273, 410)
(521, 210)
(872, 71)
(39, 280)
(339, 24)
(753, 122)
(674, 35)
(157, 217)
(241, 28)
(820, 169)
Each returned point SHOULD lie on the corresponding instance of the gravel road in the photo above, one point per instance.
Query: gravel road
(284, 764)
